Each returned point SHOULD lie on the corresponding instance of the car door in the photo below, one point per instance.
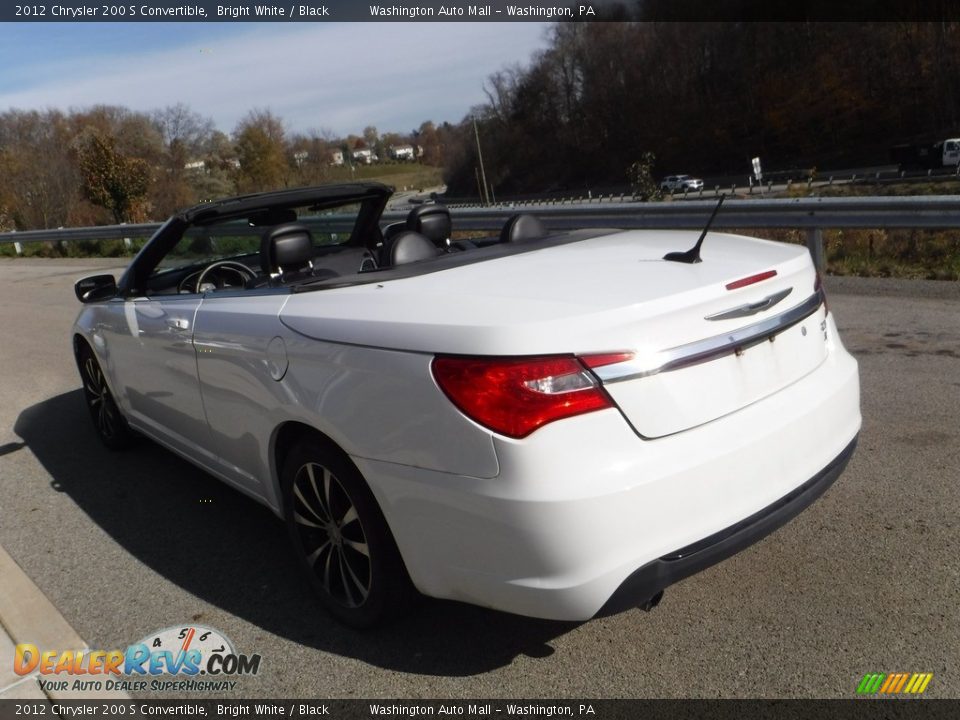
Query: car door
(241, 358)
(154, 366)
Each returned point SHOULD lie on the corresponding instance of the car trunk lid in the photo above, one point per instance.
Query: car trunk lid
(664, 391)
(614, 293)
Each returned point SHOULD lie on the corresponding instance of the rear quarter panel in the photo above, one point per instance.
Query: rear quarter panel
(373, 403)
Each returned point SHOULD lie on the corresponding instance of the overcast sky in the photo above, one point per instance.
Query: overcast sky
(340, 76)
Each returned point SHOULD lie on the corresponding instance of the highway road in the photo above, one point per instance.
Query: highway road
(866, 580)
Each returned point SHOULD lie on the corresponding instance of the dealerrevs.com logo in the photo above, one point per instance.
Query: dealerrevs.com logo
(179, 658)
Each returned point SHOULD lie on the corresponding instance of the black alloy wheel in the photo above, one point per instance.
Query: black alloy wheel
(341, 538)
(111, 426)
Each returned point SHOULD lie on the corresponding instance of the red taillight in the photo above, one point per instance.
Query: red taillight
(750, 280)
(515, 396)
(595, 361)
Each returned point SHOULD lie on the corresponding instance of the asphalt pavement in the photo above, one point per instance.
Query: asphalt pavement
(120, 545)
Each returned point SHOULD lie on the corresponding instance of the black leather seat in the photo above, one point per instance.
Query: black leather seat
(433, 222)
(522, 227)
(286, 254)
(429, 221)
(410, 246)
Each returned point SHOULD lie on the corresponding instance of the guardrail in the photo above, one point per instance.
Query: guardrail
(812, 214)
(733, 185)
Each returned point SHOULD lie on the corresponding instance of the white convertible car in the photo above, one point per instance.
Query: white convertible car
(551, 424)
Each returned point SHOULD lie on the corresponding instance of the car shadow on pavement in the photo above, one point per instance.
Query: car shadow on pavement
(246, 566)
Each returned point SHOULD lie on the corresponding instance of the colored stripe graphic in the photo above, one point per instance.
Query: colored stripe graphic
(889, 683)
(894, 683)
(871, 683)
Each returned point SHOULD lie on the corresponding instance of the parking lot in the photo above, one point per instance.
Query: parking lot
(866, 580)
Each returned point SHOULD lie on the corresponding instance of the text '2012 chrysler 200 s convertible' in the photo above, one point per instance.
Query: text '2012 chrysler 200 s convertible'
(550, 424)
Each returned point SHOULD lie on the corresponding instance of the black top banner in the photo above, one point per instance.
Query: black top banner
(493, 11)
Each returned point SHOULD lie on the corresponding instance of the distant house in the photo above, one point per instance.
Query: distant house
(336, 157)
(402, 152)
(364, 156)
(195, 165)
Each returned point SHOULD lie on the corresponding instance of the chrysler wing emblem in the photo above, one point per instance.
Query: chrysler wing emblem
(751, 308)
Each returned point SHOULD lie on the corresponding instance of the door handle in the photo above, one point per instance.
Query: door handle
(179, 324)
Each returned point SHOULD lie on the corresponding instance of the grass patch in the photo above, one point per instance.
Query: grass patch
(917, 254)
(876, 189)
(74, 249)
(410, 176)
(925, 254)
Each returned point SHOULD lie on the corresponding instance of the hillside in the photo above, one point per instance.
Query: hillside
(707, 97)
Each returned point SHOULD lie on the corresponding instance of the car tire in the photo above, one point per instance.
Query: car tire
(340, 537)
(108, 421)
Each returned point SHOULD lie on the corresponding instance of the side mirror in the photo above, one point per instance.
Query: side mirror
(96, 287)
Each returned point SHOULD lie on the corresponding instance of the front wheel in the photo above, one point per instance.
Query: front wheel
(341, 537)
(110, 424)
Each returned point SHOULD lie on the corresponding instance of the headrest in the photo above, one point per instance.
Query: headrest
(392, 230)
(431, 221)
(523, 227)
(286, 248)
(409, 246)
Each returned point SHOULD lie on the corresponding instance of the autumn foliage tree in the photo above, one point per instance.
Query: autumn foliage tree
(111, 179)
(642, 183)
(262, 152)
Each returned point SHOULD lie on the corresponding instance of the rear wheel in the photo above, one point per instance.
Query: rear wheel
(341, 537)
(108, 421)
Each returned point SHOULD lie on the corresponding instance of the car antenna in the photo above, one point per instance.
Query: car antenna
(693, 254)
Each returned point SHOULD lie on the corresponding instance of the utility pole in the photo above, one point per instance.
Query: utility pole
(476, 172)
(483, 174)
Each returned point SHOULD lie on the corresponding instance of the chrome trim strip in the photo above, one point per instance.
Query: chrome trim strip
(709, 348)
(751, 308)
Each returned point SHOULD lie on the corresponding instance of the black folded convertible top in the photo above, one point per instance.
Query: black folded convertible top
(246, 204)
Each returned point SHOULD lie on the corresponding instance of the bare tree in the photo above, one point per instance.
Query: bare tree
(37, 177)
(184, 134)
(182, 128)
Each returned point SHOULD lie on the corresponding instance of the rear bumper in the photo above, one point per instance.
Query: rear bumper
(584, 516)
(652, 578)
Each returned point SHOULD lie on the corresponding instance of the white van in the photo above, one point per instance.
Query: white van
(951, 152)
